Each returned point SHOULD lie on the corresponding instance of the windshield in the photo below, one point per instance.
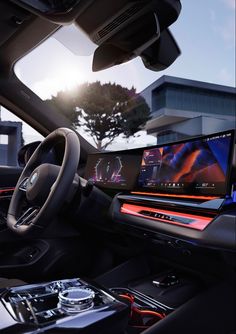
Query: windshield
(129, 106)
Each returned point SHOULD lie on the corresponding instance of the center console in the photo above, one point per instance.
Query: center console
(74, 304)
(66, 305)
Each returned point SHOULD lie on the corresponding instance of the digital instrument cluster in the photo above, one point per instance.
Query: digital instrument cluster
(117, 171)
(196, 166)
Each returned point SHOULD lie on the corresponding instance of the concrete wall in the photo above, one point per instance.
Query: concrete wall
(8, 153)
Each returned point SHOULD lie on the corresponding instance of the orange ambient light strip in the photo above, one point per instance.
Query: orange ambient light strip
(175, 195)
(198, 223)
(6, 190)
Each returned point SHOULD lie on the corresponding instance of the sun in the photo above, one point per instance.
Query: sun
(66, 78)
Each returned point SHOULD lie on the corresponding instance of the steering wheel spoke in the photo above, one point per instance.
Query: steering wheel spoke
(27, 217)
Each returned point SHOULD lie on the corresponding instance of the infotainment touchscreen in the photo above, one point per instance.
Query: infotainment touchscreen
(198, 166)
(113, 170)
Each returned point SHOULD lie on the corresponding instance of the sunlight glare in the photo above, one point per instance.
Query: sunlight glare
(65, 79)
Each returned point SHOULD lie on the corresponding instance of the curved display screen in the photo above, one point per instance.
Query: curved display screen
(198, 166)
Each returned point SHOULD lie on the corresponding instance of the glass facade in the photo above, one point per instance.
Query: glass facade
(193, 99)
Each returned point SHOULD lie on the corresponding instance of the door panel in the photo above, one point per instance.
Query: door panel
(8, 180)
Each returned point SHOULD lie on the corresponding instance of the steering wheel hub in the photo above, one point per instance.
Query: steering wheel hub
(40, 182)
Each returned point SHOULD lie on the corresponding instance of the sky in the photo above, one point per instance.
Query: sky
(204, 31)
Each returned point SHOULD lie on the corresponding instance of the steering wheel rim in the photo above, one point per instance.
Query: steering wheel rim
(37, 220)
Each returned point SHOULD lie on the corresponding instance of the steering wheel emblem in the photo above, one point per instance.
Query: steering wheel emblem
(33, 178)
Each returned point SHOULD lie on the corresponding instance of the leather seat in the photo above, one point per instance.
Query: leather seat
(9, 282)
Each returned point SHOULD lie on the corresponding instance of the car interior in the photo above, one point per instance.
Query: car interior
(89, 241)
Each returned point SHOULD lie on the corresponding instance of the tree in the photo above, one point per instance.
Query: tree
(105, 111)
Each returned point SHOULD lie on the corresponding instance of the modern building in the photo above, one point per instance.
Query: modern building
(10, 142)
(181, 108)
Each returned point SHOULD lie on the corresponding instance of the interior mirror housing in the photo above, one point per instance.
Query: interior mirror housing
(128, 43)
(147, 36)
(162, 53)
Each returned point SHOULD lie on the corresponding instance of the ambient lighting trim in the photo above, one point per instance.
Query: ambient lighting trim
(175, 195)
(6, 190)
(198, 223)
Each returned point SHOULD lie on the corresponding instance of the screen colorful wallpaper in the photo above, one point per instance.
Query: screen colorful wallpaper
(195, 165)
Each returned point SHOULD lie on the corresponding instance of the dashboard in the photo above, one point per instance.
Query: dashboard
(181, 190)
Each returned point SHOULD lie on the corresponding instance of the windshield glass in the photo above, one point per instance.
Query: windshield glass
(129, 106)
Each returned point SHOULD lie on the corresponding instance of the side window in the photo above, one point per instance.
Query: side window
(14, 133)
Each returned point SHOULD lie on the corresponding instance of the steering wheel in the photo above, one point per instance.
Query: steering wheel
(42, 187)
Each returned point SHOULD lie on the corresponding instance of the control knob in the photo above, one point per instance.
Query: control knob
(75, 300)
